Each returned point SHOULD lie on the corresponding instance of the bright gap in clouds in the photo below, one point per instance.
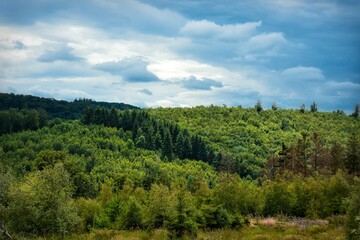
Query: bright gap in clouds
(188, 53)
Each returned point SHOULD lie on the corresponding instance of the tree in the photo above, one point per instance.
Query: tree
(356, 111)
(274, 106)
(353, 154)
(313, 107)
(88, 209)
(158, 206)
(302, 108)
(5, 182)
(303, 152)
(158, 140)
(258, 106)
(278, 199)
(182, 222)
(133, 216)
(337, 157)
(183, 145)
(167, 149)
(88, 116)
(32, 119)
(353, 213)
(41, 203)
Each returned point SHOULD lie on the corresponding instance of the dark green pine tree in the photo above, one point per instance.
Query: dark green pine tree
(98, 116)
(126, 121)
(187, 148)
(150, 137)
(313, 107)
(179, 146)
(183, 145)
(258, 106)
(174, 131)
(167, 146)
(181, 224)
(353, 155)
(302, 108)
(356, 111)
(195, 147)
(158, 140)
(113, 118)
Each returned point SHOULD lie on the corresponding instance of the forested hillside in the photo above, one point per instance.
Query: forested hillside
(247, 138)
(184, 171)
(54, 108)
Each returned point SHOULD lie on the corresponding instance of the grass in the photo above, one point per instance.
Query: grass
(259, 229)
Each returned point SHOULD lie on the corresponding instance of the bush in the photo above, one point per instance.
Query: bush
(353, 213)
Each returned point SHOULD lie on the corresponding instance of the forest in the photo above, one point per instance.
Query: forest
(92, 170)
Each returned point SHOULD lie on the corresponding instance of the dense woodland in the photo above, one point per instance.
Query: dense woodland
(54, 108)
(179, 169)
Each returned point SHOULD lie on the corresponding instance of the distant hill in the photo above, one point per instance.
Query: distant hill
(55, 108)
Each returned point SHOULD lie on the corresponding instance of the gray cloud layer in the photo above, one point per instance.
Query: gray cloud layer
(132, 70)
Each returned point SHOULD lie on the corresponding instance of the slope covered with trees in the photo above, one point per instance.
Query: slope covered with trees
(55, 108)
(247, 138)
(182, 170)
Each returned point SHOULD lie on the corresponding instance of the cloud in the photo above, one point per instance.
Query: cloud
(110, 14)
(211, 42)
(265, 41)
(58, 53)
(19, 45)
(146, 91)
(130, 69)
(240, 50)
(64, 93)
(201, 84)
(303, 73)
(262, 47)
(206, 29)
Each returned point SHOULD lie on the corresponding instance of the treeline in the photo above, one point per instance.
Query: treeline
(310, 156)
(15, 120)
(72, 177)
(150, 133)
(55, 108)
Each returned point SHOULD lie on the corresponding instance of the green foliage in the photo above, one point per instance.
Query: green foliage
(353, 154)
(133, 170)
(353, 213)
(356, 112)
(152, 134)
(13, 120)
(88, 209)
(41, 203)
(181, 222)
(247, 139)
(48, 158)
(159, 205)
(278, 199)
(313, 107)
(258, 106)
(133, 215)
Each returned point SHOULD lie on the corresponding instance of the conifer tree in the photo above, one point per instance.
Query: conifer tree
(167, 146)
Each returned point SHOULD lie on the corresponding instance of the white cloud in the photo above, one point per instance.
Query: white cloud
(303, 73)
(176, 70)
(264, 41)
(304, 8)
(205, 29)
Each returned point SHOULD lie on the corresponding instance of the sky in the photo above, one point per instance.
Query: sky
(166, 53)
